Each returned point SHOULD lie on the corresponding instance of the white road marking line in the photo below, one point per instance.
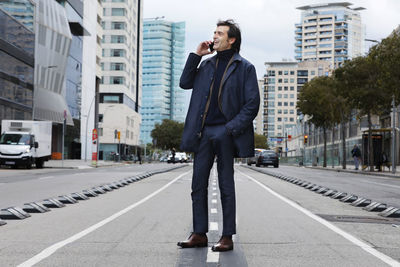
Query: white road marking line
(213, 226)
(214, 194)
(213, 210)
(214, 201)
(52, 249)
(368, 248)
(214, 188)
(212, 256)
(46, 177)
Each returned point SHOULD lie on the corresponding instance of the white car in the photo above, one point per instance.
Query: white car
(179, 157)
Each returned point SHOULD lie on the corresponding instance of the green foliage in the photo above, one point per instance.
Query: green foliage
(386, 56)
(315, 100)
(167, 134)
(260, 141)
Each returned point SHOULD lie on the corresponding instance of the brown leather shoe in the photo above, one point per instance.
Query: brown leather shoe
(224, 244)
(194, 241)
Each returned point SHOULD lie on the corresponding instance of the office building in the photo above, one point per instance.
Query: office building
(283, 81)
(163, 62)
(120, 88)
(91, 75)
(17, 46)
(21, 10)
(332, 32)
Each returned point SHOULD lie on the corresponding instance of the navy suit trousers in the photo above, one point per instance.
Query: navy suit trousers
(215, 141)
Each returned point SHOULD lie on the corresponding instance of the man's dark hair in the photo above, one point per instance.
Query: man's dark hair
(234, 32)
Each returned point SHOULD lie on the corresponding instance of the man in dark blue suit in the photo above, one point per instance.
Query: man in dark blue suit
(224, 102)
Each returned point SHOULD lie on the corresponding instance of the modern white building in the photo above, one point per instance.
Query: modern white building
(120, 88)
(283, 81)
(91, 73)
(333, 32)
(259, 120)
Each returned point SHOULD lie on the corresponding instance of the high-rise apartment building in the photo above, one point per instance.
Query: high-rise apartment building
(331, 32)
(120, 88)
(283, 81)
(163, 62)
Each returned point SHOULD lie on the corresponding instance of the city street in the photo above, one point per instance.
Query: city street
(278, 223)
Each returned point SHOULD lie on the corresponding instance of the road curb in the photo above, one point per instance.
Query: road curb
(350, 171)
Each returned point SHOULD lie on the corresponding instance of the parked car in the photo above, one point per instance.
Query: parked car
(268, 157)
(253, 160)
(179, 157)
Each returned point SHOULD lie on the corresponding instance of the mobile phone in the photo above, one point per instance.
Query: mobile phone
(211, 46)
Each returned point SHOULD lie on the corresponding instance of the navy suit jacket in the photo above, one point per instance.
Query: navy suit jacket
(239, 100)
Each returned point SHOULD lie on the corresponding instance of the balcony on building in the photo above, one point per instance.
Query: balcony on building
(299, 43)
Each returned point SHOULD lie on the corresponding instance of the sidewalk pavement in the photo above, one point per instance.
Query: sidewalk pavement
(81, 164)
(350, 168)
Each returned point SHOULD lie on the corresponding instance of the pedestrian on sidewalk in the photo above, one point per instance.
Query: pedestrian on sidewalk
(224, 102)
(356, 153)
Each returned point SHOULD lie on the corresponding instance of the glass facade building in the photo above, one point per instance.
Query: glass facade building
(163, 62)
(17, 44)
(22, 10)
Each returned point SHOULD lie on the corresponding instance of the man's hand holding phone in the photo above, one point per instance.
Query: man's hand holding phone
(205, 48)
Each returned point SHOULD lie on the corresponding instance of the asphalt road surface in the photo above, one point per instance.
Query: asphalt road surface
(278, 224)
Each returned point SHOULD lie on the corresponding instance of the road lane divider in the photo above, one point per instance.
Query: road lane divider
(47, 252)
(358, 201)
(18, 213)
(366, 247)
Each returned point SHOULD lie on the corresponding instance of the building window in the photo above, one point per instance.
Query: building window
(285, 111)
(118, 25)
(286, 72)
(279, 119)
(285, 104)
(279, 104)
(117, 66)
(291, 80)
(279, 80)
(117, 80)
(100, 131)
(286, 80)
(279, 88)
(117, 52)
(292, 104)
(285, 88)
(279, 95)
(280, 72)
(291, 88)
(279, 111)
(285, 96)
(117, 39)
(291, 119)
(313, 72)
(118, 12)
(291, 95)
(291, 111)
(111, 99)
(292, 72)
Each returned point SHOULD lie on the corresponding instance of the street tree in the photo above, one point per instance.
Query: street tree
(358, 79)
(315, 100)
(167, 135)
(260, 141)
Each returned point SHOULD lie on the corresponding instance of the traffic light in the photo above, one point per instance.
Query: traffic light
(305, 139)
(119, 135)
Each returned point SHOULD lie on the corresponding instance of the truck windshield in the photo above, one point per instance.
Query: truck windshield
(15, 139)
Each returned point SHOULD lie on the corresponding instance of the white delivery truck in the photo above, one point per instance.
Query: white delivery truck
(23, 143)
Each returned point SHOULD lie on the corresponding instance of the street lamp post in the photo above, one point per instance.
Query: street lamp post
(87, 121)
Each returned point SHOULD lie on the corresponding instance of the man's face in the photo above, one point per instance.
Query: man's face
(221, 40)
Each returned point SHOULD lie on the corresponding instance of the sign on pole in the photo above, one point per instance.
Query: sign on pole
(94, 147)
